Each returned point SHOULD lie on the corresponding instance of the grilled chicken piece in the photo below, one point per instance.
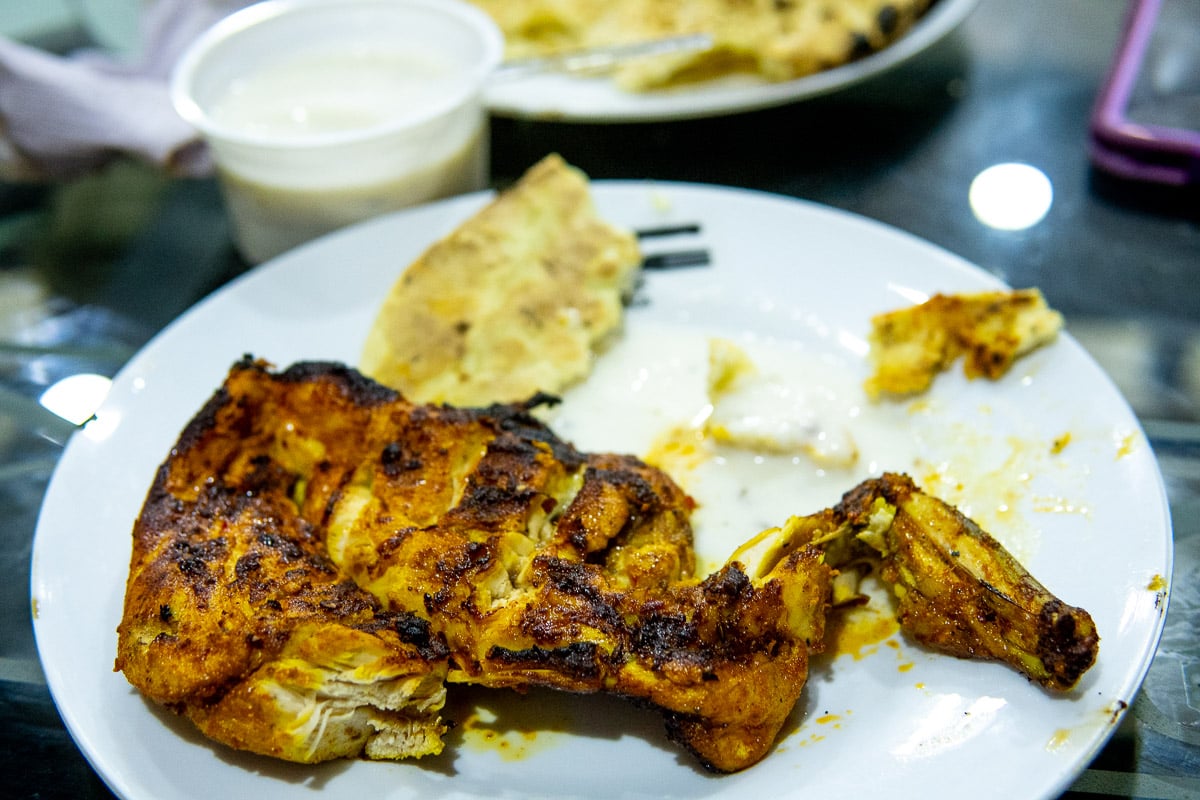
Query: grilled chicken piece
(317, 557)
(487, 551)
(989, 330)
(235, 616)
(957, 589)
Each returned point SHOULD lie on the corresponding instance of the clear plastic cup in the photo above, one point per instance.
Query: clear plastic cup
(321, 113)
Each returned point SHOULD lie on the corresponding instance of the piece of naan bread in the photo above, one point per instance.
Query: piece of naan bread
(517, 300)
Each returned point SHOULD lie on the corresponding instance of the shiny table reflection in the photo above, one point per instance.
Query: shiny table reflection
(978, 145)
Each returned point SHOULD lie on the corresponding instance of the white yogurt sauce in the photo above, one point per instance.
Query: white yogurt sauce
(336, 90)
(652, 385)
(783, 404)
(648, 396)
(280, 194)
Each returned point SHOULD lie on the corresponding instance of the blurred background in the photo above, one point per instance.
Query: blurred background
(978, 144)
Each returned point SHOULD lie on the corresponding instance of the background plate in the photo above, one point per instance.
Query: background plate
(1095, 521)
(576, 99)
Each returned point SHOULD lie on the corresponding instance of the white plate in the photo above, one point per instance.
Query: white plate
(577, 99)
(1091, 522)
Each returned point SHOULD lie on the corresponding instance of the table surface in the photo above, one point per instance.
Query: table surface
(91, 269)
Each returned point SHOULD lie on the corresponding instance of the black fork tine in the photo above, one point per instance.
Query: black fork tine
(674, 259)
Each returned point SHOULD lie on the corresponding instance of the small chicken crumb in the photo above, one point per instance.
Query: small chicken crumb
(990, 330)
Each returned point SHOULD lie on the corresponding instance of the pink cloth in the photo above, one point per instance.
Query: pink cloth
(64, 116)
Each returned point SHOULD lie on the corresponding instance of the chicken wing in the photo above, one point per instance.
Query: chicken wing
(957, 589)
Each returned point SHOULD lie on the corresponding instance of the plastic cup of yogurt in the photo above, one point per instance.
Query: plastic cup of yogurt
(322, 113)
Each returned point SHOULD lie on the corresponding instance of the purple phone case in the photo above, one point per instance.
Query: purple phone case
(1134, 150)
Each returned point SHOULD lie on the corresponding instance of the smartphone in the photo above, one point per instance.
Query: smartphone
(1146, 122)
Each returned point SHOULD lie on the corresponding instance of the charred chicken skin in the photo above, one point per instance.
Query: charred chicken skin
(317, 558)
